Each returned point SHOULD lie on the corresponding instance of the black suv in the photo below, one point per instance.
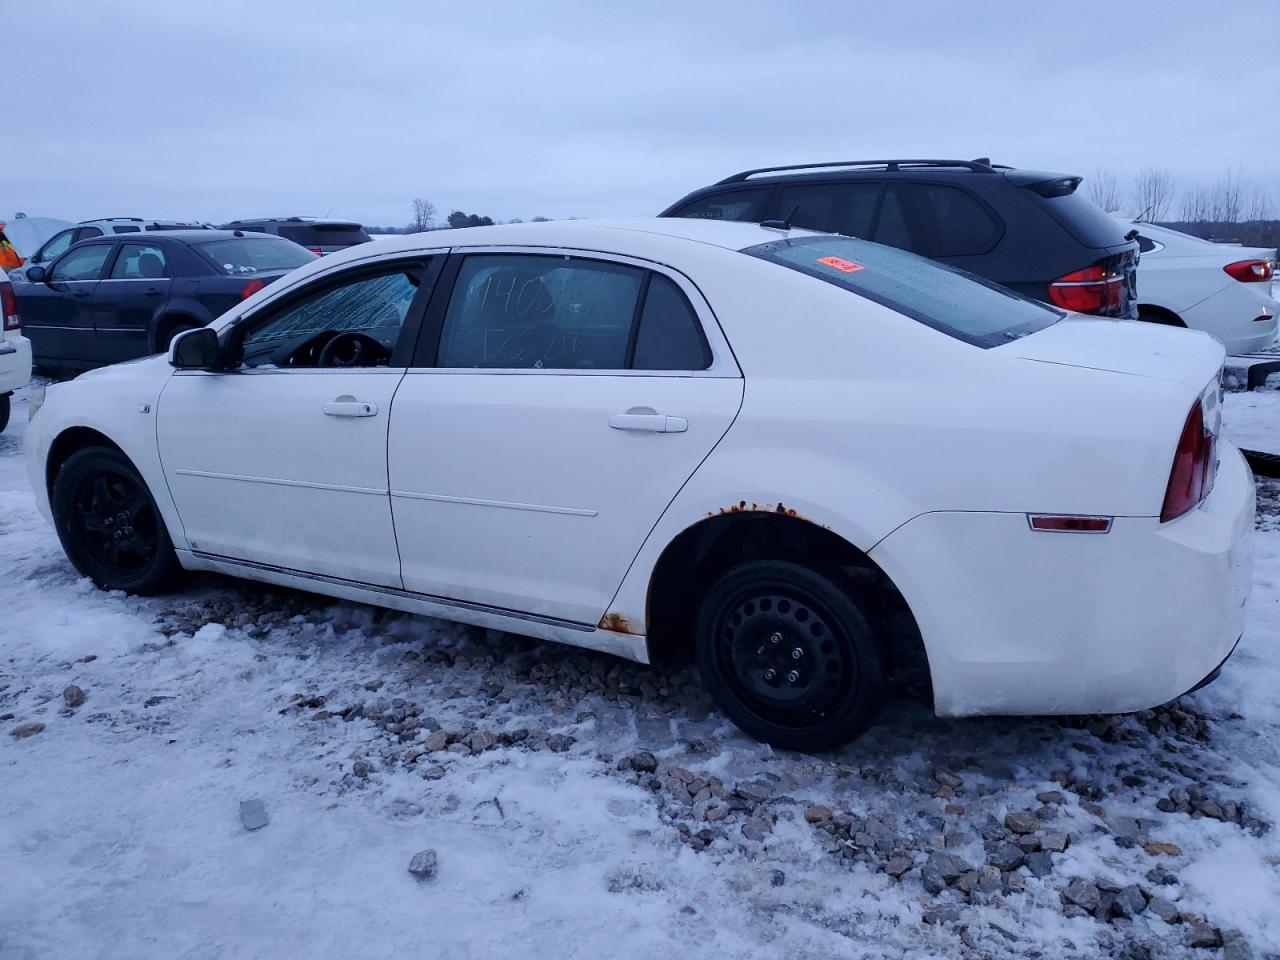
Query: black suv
(318, 236)
(1032, 232)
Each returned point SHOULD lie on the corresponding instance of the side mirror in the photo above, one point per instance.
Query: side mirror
(195, 350)
(37, 274)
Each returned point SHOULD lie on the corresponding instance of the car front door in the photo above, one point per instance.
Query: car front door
(127, 300)
(281, 459)
(557, 404)
(57, 313)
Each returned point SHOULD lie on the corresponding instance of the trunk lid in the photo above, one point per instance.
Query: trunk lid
(1189, 357)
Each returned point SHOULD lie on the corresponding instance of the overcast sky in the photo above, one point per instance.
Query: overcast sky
(244, 108)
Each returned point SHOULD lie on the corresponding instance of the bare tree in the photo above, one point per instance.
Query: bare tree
(1195, 204)
(424, 212)
(1226, 199)
(1153, 192)
(1104, 190)
(1256, 204)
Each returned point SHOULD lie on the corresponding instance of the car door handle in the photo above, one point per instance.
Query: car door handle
(648, 423)
(152, 292)
(79, 293)
(348, 406)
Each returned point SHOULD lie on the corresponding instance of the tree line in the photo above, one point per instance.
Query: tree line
(424, 218)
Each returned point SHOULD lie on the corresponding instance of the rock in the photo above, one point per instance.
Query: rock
(754, 792)
(1040, 864)
(1235, 946)
(1054, 841)
(897, 866)
(433, 772)
(460, 748)
(1161, 877)
(716, 811)
(1083, 894)
(423, 865)
(946, 865)
(1006, 857)
(941, 915)
(817, 814)
(361, 768)
(559, 742)
(777, 878)
(1163, 909)
(757, 828)
(72, 696)
(481, 740)
(1129, 902)
(1022, 821)
(948, 779)
(1050, 796)
(1158, 848)
(642, 762)
(253, 814)
(437, 741)
(1203, 935)
(932, 879)
(24, 730)
(989, 879)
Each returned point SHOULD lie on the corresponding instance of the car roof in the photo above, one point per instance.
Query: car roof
(612, 235)
(300, 221)
(181, 236)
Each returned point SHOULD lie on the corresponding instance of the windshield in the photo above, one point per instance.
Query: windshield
(952, 301)
(244, 255)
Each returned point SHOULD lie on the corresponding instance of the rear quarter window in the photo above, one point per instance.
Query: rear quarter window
(743, 205)
(953, 222)
(949, 300)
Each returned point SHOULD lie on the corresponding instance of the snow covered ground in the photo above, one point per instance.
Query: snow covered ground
(580, 806)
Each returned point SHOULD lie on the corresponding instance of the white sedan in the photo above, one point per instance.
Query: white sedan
(796, 458)
(1223, 289)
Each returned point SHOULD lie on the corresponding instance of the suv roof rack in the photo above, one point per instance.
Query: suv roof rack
(105, 219)
(981, 165)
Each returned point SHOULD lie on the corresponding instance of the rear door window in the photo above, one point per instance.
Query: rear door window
(949, 300)
(848, 208)
(670, 336)
(139, 261)
(952, 222)
(743, 205)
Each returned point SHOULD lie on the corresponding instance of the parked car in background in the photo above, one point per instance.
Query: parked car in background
(114, 298)
(1033, 232)
(21, 236)
(15, 351)
(318, 236)
(61, 241)
(1223, 289)
(790, 456)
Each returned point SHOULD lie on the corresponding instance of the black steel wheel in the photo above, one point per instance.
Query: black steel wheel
(109, 525)
(789, 655)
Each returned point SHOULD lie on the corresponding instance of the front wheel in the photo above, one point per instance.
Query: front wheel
(5, 407)
(109, 525)
(789, 656)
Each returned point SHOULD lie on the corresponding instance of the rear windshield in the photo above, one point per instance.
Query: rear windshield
(952, 301)
(242, 255)
(1084, 219)
(324, 234)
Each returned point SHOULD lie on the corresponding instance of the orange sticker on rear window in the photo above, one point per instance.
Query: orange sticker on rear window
(841, 264)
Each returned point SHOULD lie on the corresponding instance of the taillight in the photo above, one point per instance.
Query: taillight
(9, 306)
(317, 251)
(1250, 271)
(1195, 464)
(252, 287)
(1090, 290)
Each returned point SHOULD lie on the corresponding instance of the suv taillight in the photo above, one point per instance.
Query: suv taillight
(252, 287)
(9, 306)
(1195, 464)
(1091, 290)
(1250, 271)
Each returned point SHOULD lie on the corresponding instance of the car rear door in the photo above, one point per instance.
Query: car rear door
(281, 460)
(57, 313)
(128, 298)
(558, 402)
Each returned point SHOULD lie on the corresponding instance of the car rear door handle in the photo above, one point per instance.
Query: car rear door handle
(349, 406)
(152, 292)
(76, 292)
(648, 422)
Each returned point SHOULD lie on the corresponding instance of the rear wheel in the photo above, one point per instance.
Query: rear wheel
(1148, 315)
(789, 655)
(5, 406)
(109, 525)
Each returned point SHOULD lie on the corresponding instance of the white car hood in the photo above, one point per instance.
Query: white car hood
(1126, 346)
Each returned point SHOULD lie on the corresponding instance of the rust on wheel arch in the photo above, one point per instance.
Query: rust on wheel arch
(617, 623)
(741, 507)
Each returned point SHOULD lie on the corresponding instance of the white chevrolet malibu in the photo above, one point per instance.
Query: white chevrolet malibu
(797, 458)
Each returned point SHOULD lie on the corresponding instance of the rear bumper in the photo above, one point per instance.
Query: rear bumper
(15, 363)
(1233, 316)
(1020, 622)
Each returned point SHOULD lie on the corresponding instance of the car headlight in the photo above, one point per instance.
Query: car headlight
(35, 403)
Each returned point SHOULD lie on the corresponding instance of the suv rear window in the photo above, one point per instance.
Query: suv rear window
(1084, 219)
(951, 301)
(243, 255)
(324, 234)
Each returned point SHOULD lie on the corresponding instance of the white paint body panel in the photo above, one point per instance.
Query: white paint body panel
(921, 450)
(15, 361)
(1185, 276)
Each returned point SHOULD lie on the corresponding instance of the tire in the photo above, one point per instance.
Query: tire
(166, 335)
(764, 619)
(1164, 319)
(5, 407)
(109, 525)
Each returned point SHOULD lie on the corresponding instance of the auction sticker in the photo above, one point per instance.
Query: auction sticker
(841, 264)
